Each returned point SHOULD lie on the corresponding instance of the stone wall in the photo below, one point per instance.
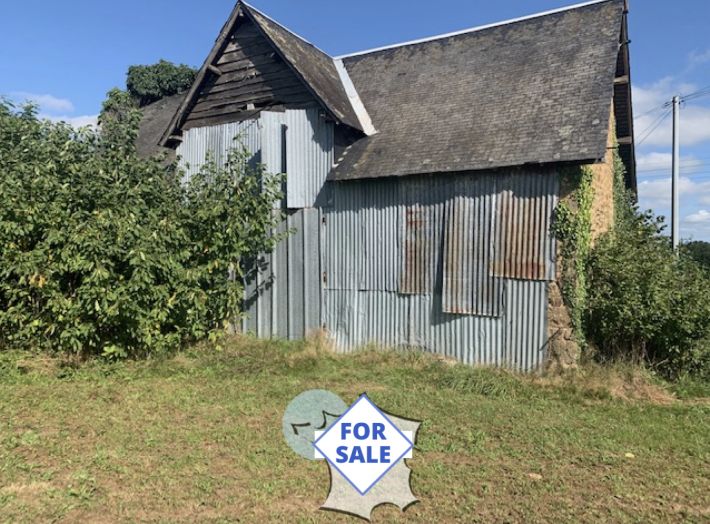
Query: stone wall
(563, 348)
(603, 184)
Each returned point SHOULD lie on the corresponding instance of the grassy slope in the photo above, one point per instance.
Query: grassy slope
(198, 438)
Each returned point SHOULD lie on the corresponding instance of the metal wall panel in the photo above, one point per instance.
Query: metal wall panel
(524, 247)
(198, 142)
(516, 340)
(469, 286)
(363, 304)
(526, 324)
(454, 265)
(309, 155)
(283, 298)
(283, 292)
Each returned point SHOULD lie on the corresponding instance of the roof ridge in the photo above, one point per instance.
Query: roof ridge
(249, 6)
(473, 29)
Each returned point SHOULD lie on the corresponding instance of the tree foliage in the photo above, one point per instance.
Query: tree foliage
(105, 253)
(699, 251)
(149, 83)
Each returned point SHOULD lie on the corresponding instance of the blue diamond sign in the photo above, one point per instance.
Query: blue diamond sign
(363, 445)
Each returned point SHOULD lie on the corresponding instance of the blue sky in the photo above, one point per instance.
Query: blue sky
(74, 51)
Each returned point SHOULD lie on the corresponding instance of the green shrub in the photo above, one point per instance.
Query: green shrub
(699, 251)
(102, 252)
(646, 302)
(149, 83)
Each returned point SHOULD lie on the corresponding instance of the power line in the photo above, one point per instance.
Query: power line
(654, 126)
(700, 174)
(705, 89)
(697, 95)
(658, 108)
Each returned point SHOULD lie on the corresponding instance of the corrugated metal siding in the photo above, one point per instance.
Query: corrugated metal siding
(309, 155)
(526, 324)
(469, 285)
(524, 249)
(515, 340)
(218, 140)
(283, 298)
(420, 235)
(448, 264)
(376, 296)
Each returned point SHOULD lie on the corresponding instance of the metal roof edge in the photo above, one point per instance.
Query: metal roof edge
(355, 101)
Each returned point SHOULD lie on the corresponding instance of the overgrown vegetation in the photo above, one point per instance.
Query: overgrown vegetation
(102, 252)
(572, 226)
(149, 83)
(197, 438)
(698, 251)
(630, 296)
(647, 303)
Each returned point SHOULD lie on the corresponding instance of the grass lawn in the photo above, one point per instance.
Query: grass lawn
(197, 438)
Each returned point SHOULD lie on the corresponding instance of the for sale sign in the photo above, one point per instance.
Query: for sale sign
(363, 445)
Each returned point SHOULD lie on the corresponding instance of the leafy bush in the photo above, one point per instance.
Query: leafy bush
(648, 302)
(698, 251)
(105, 253)
(149, 83)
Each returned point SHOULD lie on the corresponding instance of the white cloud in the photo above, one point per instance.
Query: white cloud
(701, 217)
(697, 225)
(74, 121)
(694, 118)
(46, 103)
(698, 57)
(658, 161)
(55, 109)
(657, 193)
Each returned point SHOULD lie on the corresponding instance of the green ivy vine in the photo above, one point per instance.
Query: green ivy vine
(572, 227)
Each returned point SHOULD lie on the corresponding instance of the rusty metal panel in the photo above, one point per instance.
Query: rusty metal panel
(309, 155)
(524, 246)
(420, 233)
(512, 335)
(469, 288)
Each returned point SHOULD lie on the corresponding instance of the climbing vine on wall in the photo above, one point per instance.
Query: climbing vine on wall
(573, 229)
(623, 198)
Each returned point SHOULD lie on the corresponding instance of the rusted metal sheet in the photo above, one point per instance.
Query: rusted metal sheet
(420, 230)
(524, 247)
(462, 207)
(469, 288)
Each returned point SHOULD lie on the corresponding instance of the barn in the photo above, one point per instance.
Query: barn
(422, 178)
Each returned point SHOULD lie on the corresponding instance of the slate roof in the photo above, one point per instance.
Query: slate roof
(534, 91)
(156, 117)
